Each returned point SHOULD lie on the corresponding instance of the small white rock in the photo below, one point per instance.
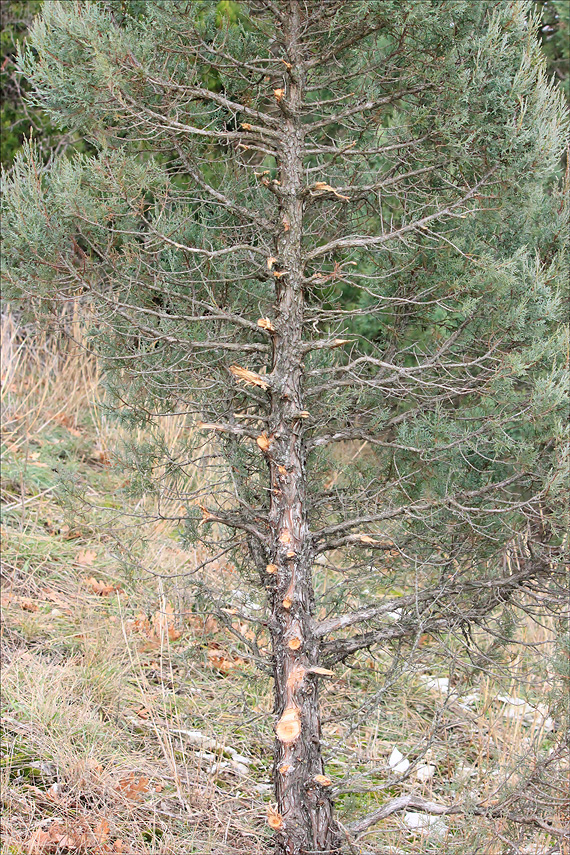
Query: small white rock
(194, 737)
(218, 767)
(464, 771)
(438, 684)
(517, 708)
(397, 762)
(239, 758)
(468, 701)
(240, 768)
(425, 772)
(424, 822)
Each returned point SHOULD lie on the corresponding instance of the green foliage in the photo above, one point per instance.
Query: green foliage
(555, 39)
(18, 118)
(15, 122)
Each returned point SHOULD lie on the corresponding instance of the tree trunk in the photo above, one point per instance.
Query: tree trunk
(304, 822)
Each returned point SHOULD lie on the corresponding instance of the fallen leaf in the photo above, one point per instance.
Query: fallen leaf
(100, 456)
(86, 557)
(55, 527)
(52, 840)
(66, 421)
(132, 787)
(58, 599)
(102, 589)
(203, 626)
(69, 842)
(28, 605)
(223, 661)
(142, 712)
(37, 843)
(163, 624)
(365, 538)
(101, 830)
(141, 623)
(53, 792)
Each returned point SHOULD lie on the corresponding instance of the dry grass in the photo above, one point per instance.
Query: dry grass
(97, 674)
(109, 672)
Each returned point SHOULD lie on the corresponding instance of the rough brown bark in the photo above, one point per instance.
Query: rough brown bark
(305, 818)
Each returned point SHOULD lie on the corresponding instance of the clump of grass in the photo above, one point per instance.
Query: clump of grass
(93, 699)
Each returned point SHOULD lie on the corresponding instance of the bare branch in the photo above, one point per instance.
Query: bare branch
(369, 241)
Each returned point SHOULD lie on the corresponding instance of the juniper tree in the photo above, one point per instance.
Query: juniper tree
(331, 231)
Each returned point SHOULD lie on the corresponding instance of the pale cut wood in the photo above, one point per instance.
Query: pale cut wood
(250, 378)
(266, 324)
(288, 727)
(274, 819)
(263, 441)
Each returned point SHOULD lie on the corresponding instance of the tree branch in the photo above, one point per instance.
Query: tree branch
(364, 106)
(434, 809)
(369, 241)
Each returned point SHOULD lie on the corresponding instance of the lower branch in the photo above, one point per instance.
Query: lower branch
(442, 610)
(417, 803)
